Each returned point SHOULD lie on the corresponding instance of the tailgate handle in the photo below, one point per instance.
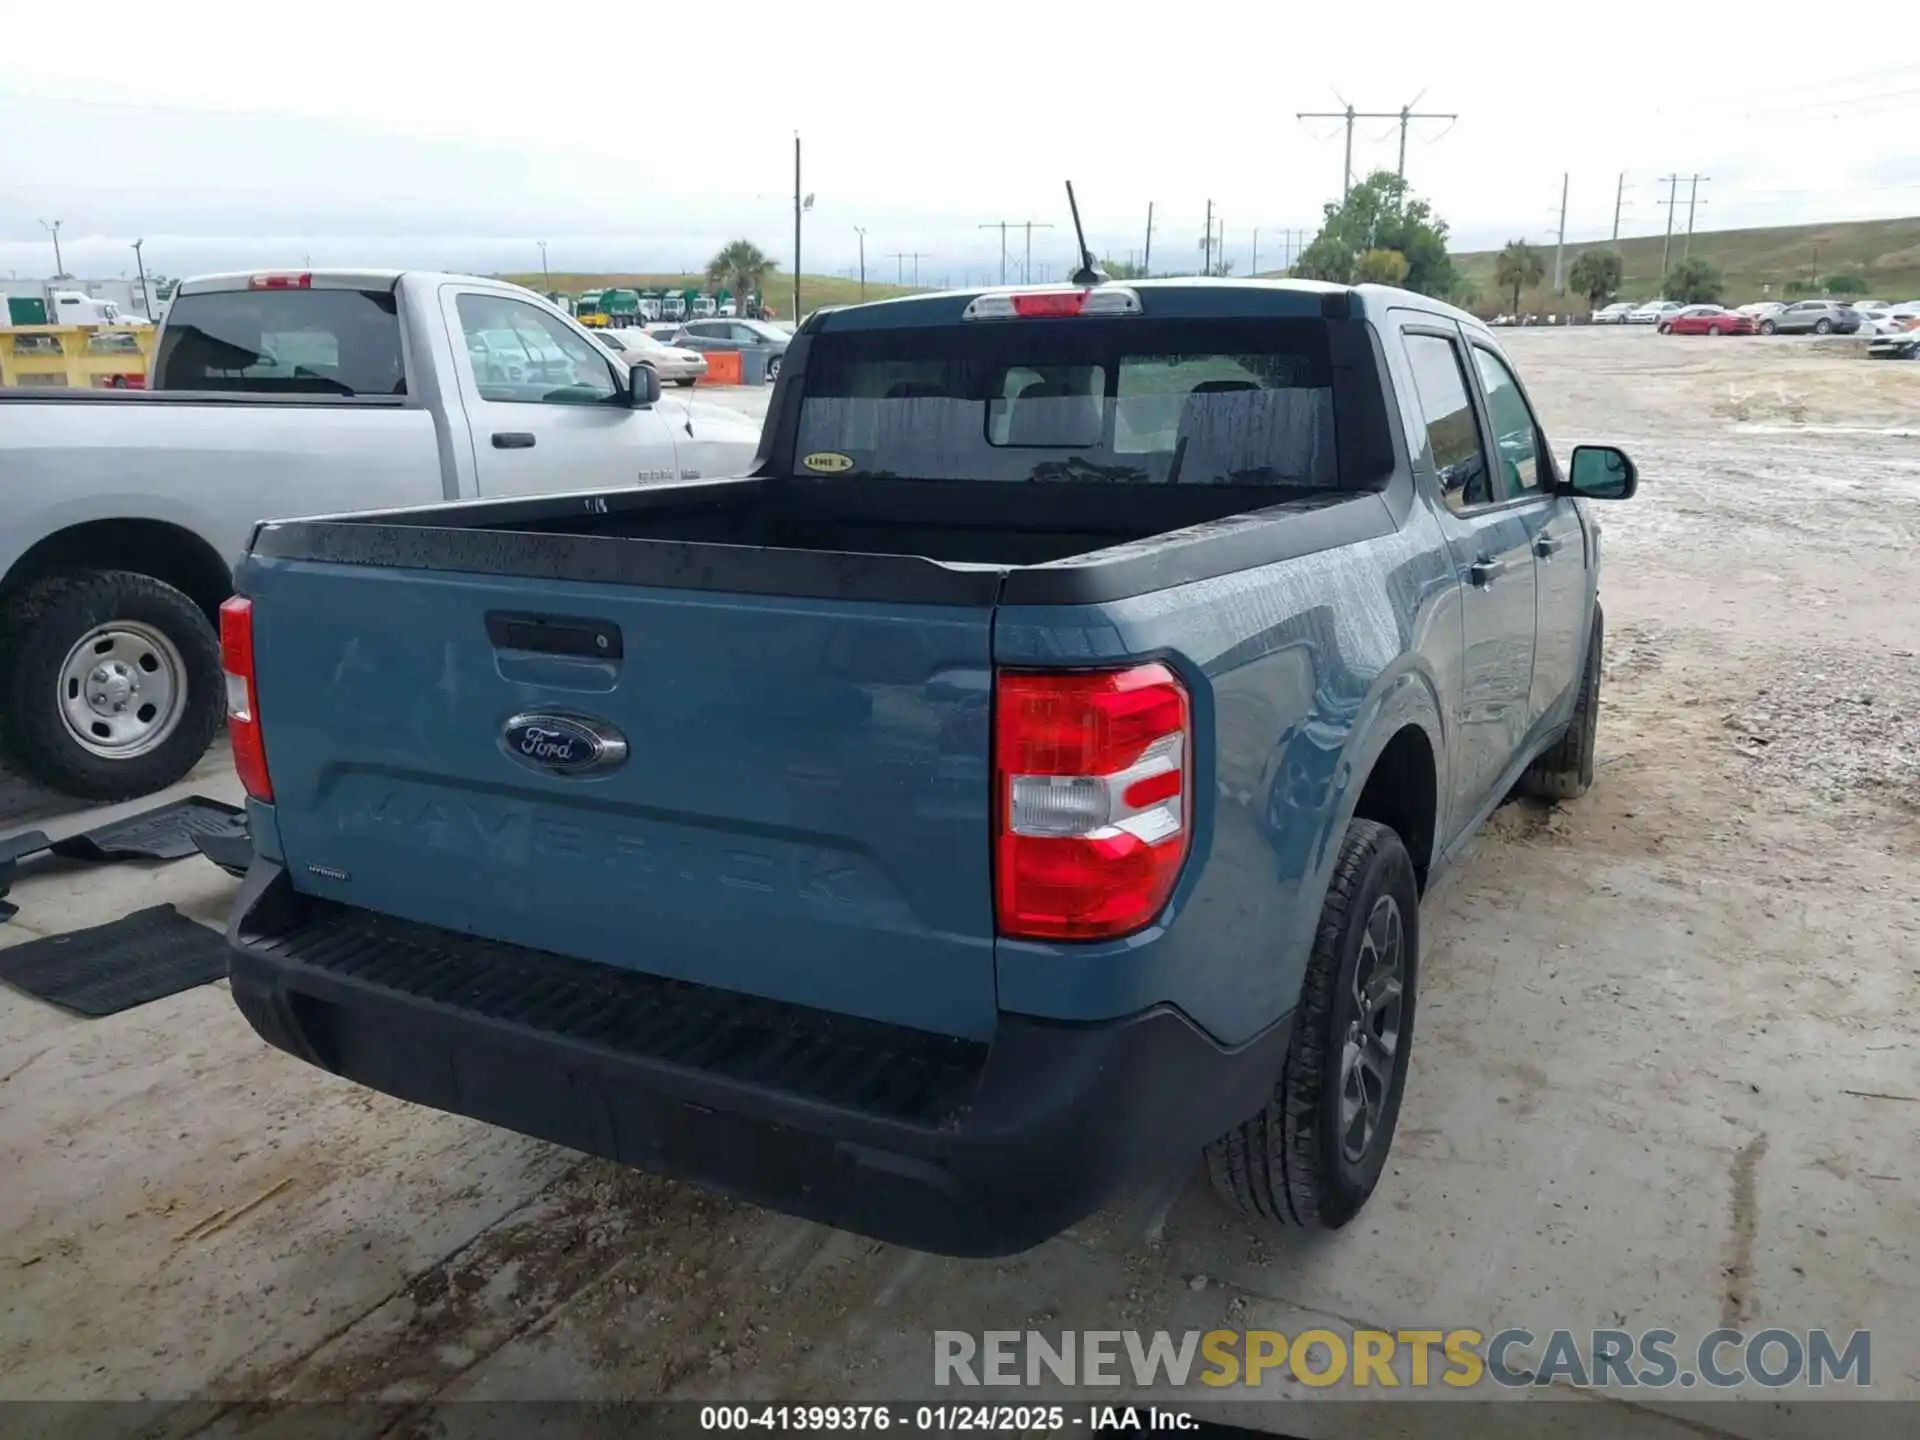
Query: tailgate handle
(512, 440)
(554, 635)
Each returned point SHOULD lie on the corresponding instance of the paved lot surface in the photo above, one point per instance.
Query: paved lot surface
(1652, 1028)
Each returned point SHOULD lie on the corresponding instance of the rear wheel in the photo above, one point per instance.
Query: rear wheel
(1823, 327)
(112, 684)
(773, 368)
(1713, 329)
(1314, 1154)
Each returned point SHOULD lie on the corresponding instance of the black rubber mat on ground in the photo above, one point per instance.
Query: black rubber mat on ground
(230, 846)
(164, 833)
(144, 956)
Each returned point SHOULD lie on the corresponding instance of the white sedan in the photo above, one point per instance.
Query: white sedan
(672, 364)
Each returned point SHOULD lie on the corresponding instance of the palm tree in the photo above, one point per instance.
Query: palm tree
(741, 267)
(1518, 268)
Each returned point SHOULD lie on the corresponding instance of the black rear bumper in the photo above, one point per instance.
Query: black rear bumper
(947, 1145)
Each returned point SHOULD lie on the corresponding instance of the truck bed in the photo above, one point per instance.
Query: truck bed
(933, 542)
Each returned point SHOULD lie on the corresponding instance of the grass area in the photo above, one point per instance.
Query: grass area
(1884, 253)
(815, 290)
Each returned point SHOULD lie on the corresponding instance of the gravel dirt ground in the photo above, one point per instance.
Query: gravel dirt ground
(1666, 1070)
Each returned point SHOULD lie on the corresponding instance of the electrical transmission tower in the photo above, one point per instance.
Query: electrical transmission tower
(1406, 115)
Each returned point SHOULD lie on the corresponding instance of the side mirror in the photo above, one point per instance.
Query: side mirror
(1600, 472)
(646, 387)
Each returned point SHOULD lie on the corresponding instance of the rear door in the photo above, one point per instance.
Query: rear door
(545, 405)
(1491, 546)
(800, 811)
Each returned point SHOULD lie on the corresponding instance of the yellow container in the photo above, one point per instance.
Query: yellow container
(76, 357)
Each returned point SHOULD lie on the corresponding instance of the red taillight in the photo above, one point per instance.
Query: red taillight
(301, 281)
(243, 710)
(1091, 799)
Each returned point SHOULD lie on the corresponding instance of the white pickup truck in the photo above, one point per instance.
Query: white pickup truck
(273, 396)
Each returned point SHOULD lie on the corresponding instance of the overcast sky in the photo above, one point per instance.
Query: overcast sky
(346, 132)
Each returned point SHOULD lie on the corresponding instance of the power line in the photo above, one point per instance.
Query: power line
(1405, 115)
(1002, 226)
(900, 258)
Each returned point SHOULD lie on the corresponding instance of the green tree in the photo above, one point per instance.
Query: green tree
(1380, 214)
(1381, 267)
(1798, 287)
(1596, 275)
(1695, 282)
(1844, 285)
(742, 267)
(1519, 267)
(1122, 269)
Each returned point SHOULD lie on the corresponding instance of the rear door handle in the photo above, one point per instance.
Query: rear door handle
(1482, 571)
(512, 440)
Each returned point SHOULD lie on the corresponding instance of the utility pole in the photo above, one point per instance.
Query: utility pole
(1693, 198)
(1406, 115)
(1560, 242)
(140, 264)
(545, 279)
(1001, 226)
(900, 258)
(1253, 265)
(1619, 192)
(1026, 269)
(1666, 246)
(796, 227)
(860, 230)
(52, 227)
(1146, 256)
(1206, 244)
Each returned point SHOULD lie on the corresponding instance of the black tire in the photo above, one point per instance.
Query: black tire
(1713, 329)
(684, 383)
(773, 368)
(39, 629)
(1823, 327)
(1666, 329)
(1288, 1165)
(1767, 327)
(1565, 770)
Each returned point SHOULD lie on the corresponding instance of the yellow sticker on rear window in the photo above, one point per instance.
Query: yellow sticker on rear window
(827, 462)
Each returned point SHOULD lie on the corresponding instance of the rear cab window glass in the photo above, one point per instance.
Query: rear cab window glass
(1453, 432)
(287, 342)
(1213, 402)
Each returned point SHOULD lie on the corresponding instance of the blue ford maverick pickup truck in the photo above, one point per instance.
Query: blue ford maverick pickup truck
(1023, 780)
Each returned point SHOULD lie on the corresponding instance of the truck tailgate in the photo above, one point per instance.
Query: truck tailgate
(801, 813)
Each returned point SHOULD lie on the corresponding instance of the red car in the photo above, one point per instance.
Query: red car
(1706, 320)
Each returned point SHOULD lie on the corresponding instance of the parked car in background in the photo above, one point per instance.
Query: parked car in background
(1815, 317)
(737, 334)
(1902, 345)
(672, 364)
(1760, 310)
(1614, 314)
(1893, 320)
(275, 394)
(1707, 320)
(1653, 312)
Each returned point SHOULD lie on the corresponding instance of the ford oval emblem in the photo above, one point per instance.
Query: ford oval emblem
(563, 744)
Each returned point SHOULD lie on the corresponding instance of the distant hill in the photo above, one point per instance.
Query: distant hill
(1884, 253)
(815, 290)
